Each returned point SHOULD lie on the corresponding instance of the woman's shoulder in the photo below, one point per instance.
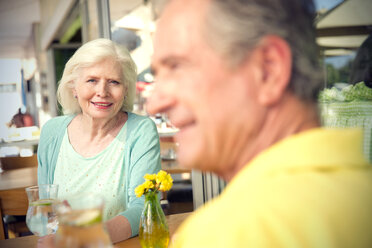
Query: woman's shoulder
(135, 120)
(140, 124)
(58, 121)
(56, 124)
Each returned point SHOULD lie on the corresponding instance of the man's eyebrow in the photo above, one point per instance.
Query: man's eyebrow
(171, 59)
(167, 61)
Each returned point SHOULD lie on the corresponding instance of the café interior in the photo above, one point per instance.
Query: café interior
(37, 37)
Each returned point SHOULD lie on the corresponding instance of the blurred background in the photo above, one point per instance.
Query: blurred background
(37, 37)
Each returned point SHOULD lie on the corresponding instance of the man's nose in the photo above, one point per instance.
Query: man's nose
(160, 100)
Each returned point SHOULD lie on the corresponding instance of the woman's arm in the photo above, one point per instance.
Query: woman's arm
(48, 149)
(119, 228)
(144, 158)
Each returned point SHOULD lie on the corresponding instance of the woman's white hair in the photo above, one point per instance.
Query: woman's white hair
(88, 55)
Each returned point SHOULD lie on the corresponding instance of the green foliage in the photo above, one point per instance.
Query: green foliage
(357, 92)
(335, 75)
(61, 56)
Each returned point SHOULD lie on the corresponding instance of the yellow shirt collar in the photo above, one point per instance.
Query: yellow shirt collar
(319, 148)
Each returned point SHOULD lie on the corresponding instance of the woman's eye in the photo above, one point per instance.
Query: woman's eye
(114, 82)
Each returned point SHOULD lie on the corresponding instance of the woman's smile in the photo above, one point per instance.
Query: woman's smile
(102, 105)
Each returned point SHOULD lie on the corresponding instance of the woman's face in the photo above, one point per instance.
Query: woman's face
(100, 90)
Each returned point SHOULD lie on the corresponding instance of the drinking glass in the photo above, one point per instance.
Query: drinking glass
(41, 219)
(81, 223)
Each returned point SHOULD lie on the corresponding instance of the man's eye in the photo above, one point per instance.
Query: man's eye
(174, 65)
(91, 80)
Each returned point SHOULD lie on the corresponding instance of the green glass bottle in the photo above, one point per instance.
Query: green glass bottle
(153, 230)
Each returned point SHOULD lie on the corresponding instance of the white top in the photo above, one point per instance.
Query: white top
(101, 174)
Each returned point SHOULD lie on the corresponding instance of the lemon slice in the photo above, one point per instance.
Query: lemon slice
(88, 218)
(42, 202)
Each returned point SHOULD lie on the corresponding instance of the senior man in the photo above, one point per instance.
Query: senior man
(240, 81)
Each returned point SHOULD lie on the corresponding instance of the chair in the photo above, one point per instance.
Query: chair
(13, 202)
(180, 198)
(11, 163)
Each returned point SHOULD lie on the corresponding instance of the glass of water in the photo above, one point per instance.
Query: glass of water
(41, 218)
(81, 222)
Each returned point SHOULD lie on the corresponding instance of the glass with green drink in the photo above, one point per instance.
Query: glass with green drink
(41, 218)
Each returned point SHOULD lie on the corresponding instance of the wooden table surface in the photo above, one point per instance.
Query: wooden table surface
(22, 143)
(31, 241)
(13, 196)
(18, 178)
(25, 177)
(172, 167)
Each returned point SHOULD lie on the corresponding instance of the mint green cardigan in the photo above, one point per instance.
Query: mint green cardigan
(142, 148)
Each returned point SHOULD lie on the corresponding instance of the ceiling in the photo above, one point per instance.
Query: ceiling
(18, 16)
(348, 13)
(16, 23)
(345, 27)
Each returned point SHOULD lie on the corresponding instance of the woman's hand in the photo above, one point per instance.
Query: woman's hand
(46, 241)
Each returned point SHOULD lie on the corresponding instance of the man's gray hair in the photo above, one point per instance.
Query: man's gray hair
(235, 27)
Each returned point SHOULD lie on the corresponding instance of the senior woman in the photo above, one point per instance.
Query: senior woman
(99, 145)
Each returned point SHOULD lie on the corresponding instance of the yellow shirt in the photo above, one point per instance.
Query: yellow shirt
(313, 189)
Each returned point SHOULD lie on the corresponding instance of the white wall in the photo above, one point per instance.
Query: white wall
(10, 72)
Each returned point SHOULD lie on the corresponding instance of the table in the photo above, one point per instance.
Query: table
(21, 143)
(19, 178)
(12, 191)
(25, 177)
(30, 241)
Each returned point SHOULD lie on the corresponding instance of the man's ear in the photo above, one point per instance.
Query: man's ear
(275, 66)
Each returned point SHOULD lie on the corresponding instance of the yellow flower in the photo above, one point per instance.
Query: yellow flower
(155, 182)
(161, 176)
(151, 177)
(148, 185)
(139, 190)
(166, 185)
(164, 180)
